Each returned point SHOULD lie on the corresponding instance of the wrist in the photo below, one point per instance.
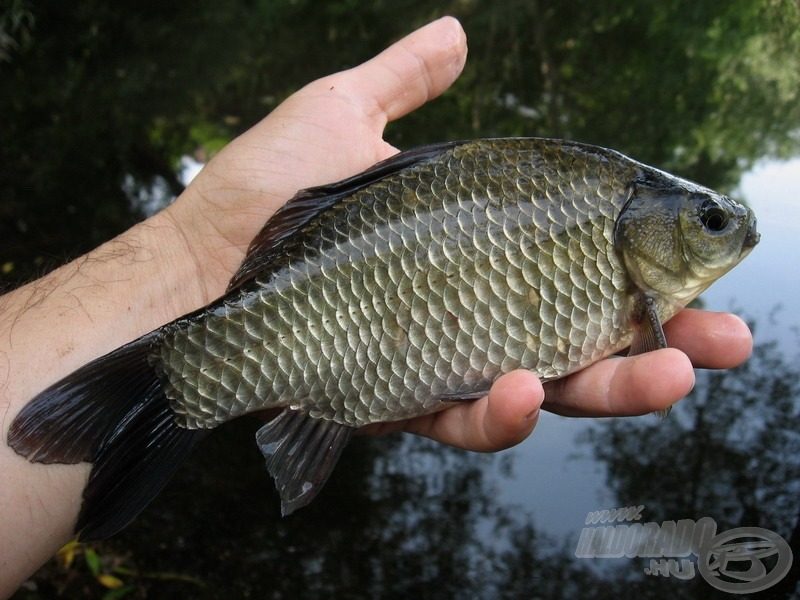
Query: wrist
(126, 287)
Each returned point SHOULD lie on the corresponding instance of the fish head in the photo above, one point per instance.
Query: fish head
(677, 238)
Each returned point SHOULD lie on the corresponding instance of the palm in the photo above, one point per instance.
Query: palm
(329, 130)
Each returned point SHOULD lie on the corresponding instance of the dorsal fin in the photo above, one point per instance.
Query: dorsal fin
(309, 203)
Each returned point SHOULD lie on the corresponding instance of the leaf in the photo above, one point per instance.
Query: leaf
(93, 561)
(110, 581)
(66, 554)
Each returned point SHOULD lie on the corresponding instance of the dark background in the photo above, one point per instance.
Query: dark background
(100, 104)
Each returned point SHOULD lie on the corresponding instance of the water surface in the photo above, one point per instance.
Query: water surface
(707, 91)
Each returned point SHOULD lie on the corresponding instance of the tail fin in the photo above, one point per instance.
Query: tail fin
(112, 412)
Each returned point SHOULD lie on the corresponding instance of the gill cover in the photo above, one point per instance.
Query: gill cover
(676, 237)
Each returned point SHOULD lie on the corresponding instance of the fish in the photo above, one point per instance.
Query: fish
(395, 293)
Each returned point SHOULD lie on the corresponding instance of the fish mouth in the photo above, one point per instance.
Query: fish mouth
(752, 237)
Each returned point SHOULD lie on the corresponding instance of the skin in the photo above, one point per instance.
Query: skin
(183, 257)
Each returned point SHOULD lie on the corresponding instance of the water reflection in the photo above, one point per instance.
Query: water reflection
(693, 87)
(730, 451)
(400, 517)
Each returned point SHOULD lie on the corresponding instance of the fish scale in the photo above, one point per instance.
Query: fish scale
(471, 267)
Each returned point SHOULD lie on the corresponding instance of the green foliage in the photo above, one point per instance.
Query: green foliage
(16, 25)
(92, 561)
(103, 573)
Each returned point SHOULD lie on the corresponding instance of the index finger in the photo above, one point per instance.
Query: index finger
(711, 340)
(654, 380)
(619, 386)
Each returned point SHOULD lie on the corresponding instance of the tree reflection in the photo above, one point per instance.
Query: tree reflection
(101, 101)
(730, 451)
(400, 517)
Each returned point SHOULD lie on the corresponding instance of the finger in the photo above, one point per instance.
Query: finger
(410, 72)
(623, 386)
(502, 419)
(711, 340)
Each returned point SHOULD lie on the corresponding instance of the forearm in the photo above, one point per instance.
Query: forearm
(126, 287)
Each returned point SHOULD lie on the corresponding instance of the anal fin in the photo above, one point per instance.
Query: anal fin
(301, 452)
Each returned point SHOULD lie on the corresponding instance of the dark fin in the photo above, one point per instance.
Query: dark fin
(67, 422)
(312, 202)
(111, 412)
(133, 465)
(301, 452)
(649, 335)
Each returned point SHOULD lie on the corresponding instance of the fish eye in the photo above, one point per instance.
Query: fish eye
(713, 216)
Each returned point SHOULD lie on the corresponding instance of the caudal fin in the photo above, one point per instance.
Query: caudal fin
(113, 413)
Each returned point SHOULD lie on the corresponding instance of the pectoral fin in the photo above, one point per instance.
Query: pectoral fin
(463, 396)
(649, 334)
(301, 452)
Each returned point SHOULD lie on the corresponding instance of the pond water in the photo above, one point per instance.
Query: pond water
(404, 516)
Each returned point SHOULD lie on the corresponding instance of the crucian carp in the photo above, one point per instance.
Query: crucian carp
(392, 294)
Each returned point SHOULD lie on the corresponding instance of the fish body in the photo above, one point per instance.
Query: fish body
(421, 287)
(394, 294)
